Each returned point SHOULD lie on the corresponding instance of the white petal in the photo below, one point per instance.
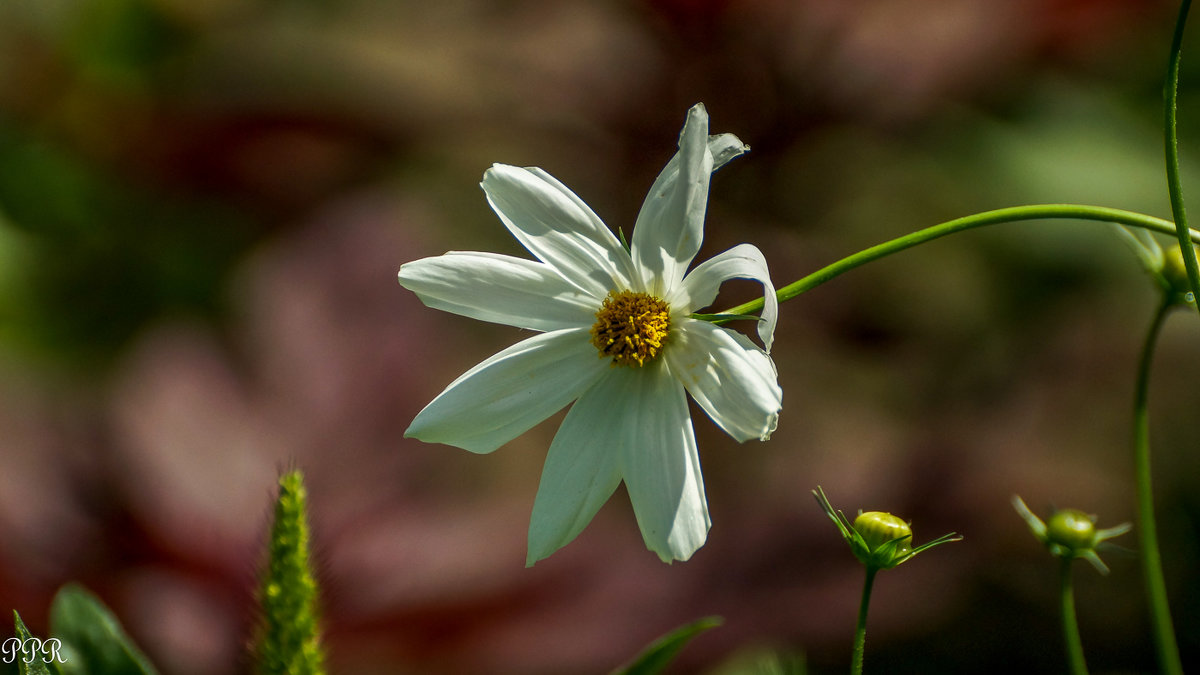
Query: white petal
(732, 379)
(670, 225)
(725, 147)
(743, 261)
(500, 289)
(581, 470)
(510, 392)
(661, 466)
(633, 424)
(557, 227)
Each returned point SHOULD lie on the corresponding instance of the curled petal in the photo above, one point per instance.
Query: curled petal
(743, 261)
(670, 225)
(557, 227)
(729, 377)
(500, 289)
(504, 396)
(725, 147)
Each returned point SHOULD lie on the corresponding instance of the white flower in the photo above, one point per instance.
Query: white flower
(616, 338)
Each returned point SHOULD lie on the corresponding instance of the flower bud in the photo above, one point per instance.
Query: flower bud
(1070, 533)
(1174, 271)
(878, 528)
(879, 540)
(1072, 529)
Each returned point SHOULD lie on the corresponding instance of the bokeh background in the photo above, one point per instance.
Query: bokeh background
(203, 205)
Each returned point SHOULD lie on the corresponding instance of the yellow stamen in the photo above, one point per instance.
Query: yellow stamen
(631, 327)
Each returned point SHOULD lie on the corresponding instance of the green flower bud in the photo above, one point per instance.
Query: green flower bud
(879, 540)
(878, 528)
(1070, 533)
(1175, 272)
(1072, 529)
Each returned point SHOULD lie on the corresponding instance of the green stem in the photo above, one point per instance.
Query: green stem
(860, 634)
(1070, 625)
(1006, 215)
(1156, 588)
(1174, 184)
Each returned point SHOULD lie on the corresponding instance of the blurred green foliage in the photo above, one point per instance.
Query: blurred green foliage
(90, 250)
(88, 259)
(122, 40)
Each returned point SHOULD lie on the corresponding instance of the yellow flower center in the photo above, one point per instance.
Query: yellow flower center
(631, 327)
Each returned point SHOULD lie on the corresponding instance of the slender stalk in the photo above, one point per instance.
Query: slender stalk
(1070, 625)
(1156, 587)
(860, 634)
(1171, 139)
(1006, 215)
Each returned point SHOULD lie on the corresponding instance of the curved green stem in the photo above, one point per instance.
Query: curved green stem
(1070, 625)
(860, 634)
(1156, 587)
(1006, 215)
(1174, 184)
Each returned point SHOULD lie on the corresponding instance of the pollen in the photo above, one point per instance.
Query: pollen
(631, 327)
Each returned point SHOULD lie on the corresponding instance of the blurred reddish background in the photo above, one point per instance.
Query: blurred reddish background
(203, 206)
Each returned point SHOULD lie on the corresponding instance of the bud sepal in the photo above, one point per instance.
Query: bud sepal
(1166, 267)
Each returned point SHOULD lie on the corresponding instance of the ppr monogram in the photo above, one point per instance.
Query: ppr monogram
(30, 649)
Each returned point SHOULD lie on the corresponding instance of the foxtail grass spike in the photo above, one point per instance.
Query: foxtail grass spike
(289, 635)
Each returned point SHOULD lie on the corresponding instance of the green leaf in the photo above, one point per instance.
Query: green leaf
(662, 651)
(94, 636)
(35, 666)
(762, 661)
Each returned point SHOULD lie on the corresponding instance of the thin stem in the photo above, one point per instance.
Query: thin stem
(1006, 215)
(1156, 587)
(1070, 625)
(860, 634)
(1171, 138)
